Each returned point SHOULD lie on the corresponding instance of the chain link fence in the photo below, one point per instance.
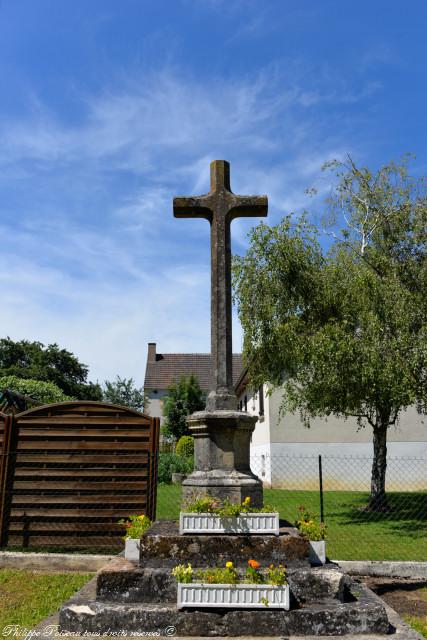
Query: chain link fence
(77, 508)
(342, 486)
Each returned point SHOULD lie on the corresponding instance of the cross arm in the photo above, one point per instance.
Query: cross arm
(248, 206)
(192, 207)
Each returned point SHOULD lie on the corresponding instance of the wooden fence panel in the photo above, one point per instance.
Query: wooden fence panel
(7, 470)
(79, 468)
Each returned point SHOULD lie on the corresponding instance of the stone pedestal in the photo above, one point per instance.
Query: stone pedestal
(141, 600)
(221, 457)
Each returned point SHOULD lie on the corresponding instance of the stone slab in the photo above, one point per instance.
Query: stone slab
(366, 615)
(385, 568)
(53, 561)
(162, 546)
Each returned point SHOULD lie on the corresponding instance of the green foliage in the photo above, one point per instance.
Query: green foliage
(124, 392)
(229, 574)
(343, 333)
(135, 526)
(32, 360)
(185, 447)
(183, 399)
(218, 575)
(170, 463)
(309, 525)
(40, 392)
(276, 575)
(183, 573)
(223, 508)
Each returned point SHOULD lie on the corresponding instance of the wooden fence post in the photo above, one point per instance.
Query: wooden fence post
(153, 456)
(7, 474)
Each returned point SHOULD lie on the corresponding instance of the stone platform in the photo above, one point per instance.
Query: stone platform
(324, 602)
(141, 597)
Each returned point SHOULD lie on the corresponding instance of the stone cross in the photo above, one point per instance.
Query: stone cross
(220, 206)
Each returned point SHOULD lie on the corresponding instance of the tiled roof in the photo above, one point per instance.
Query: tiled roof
(167, 368)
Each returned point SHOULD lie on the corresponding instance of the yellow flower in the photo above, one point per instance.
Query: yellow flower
(247, 500)
(229, 565)
(141, 517)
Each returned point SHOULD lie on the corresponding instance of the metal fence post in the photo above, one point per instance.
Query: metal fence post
(322, 514)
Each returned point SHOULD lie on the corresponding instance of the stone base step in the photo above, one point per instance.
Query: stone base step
(122, 581)
(365, 613)
(162, 546)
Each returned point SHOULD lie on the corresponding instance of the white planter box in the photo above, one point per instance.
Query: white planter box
(132, 549)
(260, 523)
(235, 596)
(317, 552)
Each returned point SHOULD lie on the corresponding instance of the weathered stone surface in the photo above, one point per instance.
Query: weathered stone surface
(162, 546)
(221, 457)
(314, 585)
(366, 615)
(220, 206)
(222, 435)
(122, 582)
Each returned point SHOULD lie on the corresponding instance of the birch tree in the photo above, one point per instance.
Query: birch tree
(343, 332)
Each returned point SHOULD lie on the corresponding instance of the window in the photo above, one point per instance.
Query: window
(261, 400)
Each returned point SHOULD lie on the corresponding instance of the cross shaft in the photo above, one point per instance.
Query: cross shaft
(220, 206)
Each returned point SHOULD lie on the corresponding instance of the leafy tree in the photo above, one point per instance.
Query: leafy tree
(344, 333)
(123, 391)
(184, 398)
(33, 360)
(40, 392)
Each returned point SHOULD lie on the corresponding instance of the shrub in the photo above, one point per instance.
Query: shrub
(170, 463)
(185, 447)
(41, 392)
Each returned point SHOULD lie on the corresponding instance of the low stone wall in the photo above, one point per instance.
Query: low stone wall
(385, 568)
(53, 561)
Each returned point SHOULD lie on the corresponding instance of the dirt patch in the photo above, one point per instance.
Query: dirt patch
(404, 595)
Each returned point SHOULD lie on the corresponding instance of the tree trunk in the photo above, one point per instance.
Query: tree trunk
(378, 500)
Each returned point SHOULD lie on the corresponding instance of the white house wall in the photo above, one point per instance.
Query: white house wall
(284, 453)
(155, 403)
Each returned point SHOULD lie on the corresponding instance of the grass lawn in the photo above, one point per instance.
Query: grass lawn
(27, 597)
(418, 623)
(352, 534)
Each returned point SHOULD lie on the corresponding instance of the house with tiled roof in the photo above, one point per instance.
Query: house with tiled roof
(280, 438)
(163, 369)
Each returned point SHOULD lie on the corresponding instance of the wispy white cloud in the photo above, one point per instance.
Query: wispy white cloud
(95, 259)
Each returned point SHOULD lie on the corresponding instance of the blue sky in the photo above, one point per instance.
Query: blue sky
(109, 109)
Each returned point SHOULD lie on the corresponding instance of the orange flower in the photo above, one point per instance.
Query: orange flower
(254, 564)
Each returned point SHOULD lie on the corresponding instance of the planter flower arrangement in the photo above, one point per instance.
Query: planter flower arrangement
(315, 531)
(222, 587)
(207, 514)
(135, 526)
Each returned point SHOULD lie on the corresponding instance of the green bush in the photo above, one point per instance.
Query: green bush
(41, 392)
(185, 447)
(170, 463)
